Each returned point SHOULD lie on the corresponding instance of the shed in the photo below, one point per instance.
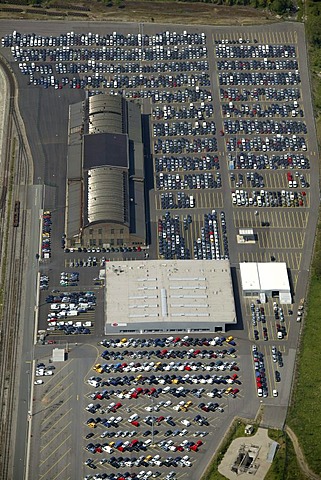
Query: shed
(58, 355)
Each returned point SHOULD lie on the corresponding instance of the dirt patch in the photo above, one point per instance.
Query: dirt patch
(148, 12)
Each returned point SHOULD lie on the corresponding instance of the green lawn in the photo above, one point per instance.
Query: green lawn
(305, 412)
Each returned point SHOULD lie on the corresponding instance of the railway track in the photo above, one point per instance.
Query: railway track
(11, 268)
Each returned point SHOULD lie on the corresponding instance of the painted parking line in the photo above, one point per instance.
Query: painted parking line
(56, 410)
(45, 475)
(59, 475)
(55, 387)
(53, 438)
(55, 450)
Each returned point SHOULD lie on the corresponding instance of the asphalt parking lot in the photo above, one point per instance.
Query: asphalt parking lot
(233, 104)
(159, 385)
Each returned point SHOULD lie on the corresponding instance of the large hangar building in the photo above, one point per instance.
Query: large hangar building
(105, 174)
(168, 296)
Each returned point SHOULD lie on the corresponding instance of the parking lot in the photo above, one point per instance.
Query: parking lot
(228, 126)
(233, 146)
(145, 406)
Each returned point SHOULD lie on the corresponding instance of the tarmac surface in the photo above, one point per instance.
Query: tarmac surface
(45, 114)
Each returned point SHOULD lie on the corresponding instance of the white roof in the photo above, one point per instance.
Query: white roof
(177, 291)
(273, 276)
(264, 276)
(250, 276)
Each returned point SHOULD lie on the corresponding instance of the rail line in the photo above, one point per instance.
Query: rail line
(13, 241)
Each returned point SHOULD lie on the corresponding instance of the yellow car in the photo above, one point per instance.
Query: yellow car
(98, 368)
(229, 339)
(228, 390)
(92, 425)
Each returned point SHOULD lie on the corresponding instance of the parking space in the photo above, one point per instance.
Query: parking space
(159, 402)
(51, 443)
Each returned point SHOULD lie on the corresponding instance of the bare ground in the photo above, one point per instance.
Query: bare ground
(147, 11)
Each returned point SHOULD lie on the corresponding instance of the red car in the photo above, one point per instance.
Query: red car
(199, 443)
(135, 423)
(160, 419)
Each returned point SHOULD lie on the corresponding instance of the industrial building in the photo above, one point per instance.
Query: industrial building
(105, 191)
(266, 280)
(168, 296)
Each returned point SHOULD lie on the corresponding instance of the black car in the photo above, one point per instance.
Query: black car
(277, 376)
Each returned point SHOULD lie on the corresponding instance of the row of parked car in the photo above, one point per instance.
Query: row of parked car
(190, 181)
(177, 392)
(259, 110)
(186, 341)
(255, 51)
(264, 127)
(166, 379)
(95, 39)
(171, 164)
(276, 143)
(265, 198)
(256, 161)
(213, 243)
(265, 64)
(194, 128)
(162, 366)
(168, 112)
(185, 145)
(252, 179)
(46, 235)
(44, 282)
(260, 93)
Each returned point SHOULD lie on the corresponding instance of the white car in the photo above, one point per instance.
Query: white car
(185, 422)
(275, 393)
(38, 382)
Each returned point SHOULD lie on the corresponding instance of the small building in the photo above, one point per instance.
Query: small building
(168, 296)
(270, 279)
(246, 235)
(58, 355)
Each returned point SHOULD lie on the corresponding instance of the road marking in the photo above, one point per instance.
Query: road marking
(59, 474)
(57, 385)
(56, 409)
(59, 433)
(57, 448)
(54, 465)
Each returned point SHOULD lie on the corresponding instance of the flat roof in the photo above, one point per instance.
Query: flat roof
(264, 276)
(250, 276)
(273, 276)
(176, 291)
(105, 149)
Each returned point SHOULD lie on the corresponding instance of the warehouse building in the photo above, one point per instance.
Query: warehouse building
(105, 199)
(263, 280)
(168, 296)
